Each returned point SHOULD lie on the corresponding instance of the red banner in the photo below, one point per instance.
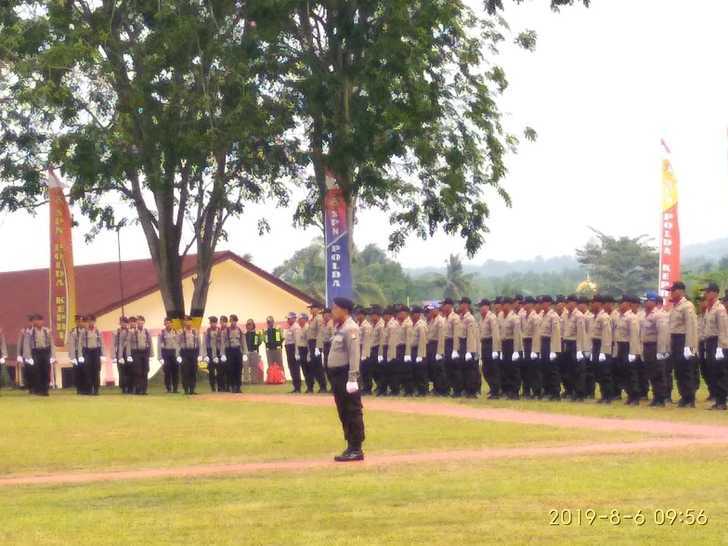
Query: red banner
(62, 297)
(670, 230)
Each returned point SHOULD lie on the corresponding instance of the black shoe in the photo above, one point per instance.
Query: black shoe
(493, 396)
(322, 391)
(685, 403)
(717, 406)
(710, 398)
(309, 391)
(657, 403)
(295, 391)
(350, 455)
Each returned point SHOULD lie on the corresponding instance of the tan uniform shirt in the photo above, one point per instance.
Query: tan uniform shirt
(367, 334)
(575, 329)
(234, 338)
(39, 338)
(328, 331)
(550, 326)
(716, 324)
(140, 340)
(408, 332)
(436, 332)
(420, 338)
(168, 340)
(452, 323)
(345, 348)
(489, 327)
(74, 343)
(395, 337)
(602, 329)
(91, 339)
(529, 326)
(289, 334)
(654, 329)
(212, 344)
(315, 331)
(469, 332)
(188, 339)
(683, 320)
(627, 330)
(22, 346)
(512, 330)
(120, 345)
(378, 334)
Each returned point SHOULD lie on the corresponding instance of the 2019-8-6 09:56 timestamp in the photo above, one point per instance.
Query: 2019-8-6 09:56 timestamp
(659, 516)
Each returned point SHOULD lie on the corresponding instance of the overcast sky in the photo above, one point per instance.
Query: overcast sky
(604, 85)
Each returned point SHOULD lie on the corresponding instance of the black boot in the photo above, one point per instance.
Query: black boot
(350, 454)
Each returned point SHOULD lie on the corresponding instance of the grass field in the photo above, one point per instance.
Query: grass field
(500, 501)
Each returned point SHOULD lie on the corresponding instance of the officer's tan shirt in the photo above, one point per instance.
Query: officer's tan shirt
(550, 326)
(490, 327)
(328, 331)
(451, 325)
(378, 333)
(654, 329)
(345, 348)
(91, 339)
(212, 344)
(627, 330)
(436, 332)
(316, 331)
(716, 323)
(120, 344)
(40, 338)
(74, 343)
(395, 337)
(408, 327)
(22, 345)
(188, 339)
(289, 334)
(512, 330)
(529, 326)
(683, 320)
(420, 338)
(140, 340)
(469, 332)
(367, 334)
(234, 338)
(602, 330)
(168, 340)
(575, 329)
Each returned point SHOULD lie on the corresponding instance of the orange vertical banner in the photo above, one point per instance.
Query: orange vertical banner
(669, 229)
(62, 297)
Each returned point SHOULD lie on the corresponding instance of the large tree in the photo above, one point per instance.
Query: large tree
(620, 265)
(169, 107)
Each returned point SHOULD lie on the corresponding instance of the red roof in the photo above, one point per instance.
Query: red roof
(97, 287)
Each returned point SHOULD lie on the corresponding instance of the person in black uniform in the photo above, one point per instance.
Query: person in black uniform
(189, 348)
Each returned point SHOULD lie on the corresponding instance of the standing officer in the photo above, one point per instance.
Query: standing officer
(23, 348)
(294, 366)
(316, 344)
(626, 349)
(302, 351)
(328, 334)
(512, 345)
(550, 346)
(384, 355)
(367, 365)
(75, 354)
(490, 348)
(654, 337)
(253, 340)
(469, 345)
(589, 369)
(273, 338)
(236, 352)
(435, 350)
(224, 370)
(91, 347)
(141, 352)
(419, 351)
(168, 353)
(716, 339)
(530, 367)
(451, 354)
(377, 334)
(397, 349)
(42, 354)
(574, 336)
(122, 356)
(212, 350)
(344, 359)
(189, 350)
(683, 324)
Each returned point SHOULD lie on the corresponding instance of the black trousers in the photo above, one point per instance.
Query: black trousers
(396, 371)
(620, 369)
(317, 366)
(421, 372)
(306, 368)
(373, 367)
(471, 376)
(565, 370)
(382, 371)
(349, 408)
(92, 369)
(189, 369)
(170, 370)
(602, 370)
(436, 369)
(294, 367)
(213, 369)
(367, 373)
(526, 386)
(235, 366)
(491, 367)
(575, 369)
(79, 377)
(718, 371)
(140, 370)
(41, 374)
(550, 370)
(511, 370)
(447, 363)
(655, 371)
(684, 368)
(408, 372)
(706, 366)
(590, 375)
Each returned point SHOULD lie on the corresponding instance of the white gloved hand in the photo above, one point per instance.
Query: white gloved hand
(718, 354)
(2, 360)
(455, 355)
(352, 387)
(179, 360)
(407, 358)
(515, 357)
(468, 357)
(223, 358)
(688, 353)
(362, 359)
(81, 360)
(661, 356)
(317, 352)
(438, 357)
(129, 359)
(587, 355)
(20, 360)
(206, 359)
(53, 360)
(245, 358)
(380, 359)
(631, 358)
(534, 356)
(579, 356)
(103, 359)
(114, 361)
(552, 356)
(418, 359)
(602, 357)
(216, 360)
(30, 361)
(74, 361)
(495, 355)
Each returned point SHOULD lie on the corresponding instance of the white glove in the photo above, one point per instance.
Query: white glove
(631, 358)
(81, 360)
(179, 360)
(380, 359)
(579, 356)
(418, 359)
(515, 357)
(362, 359)
(53, 360)
(718, 354)
(2, 360)
(455, 355)
(103, 359)
(74, 361)
(661, 356)
(317, 352)
(495, 355)
(688, 353)
(223, 358)
(206, 359)
(245, 358)
(114, 361)
(20, 360)
(468, 357)
(30, 361)
(534, 356)
(129, 359)
(552, 356)
(587, 355)
(352, 387)
(438, 357)
(216, 360)
(602, 357)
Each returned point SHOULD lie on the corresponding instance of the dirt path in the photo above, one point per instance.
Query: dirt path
(672, 436)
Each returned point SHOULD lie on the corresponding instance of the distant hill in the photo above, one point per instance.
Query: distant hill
(692, 255)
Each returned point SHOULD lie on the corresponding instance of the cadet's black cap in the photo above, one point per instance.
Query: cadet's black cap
(37, 316)
(316, 305)
(660, 300)
(375, 310)
(344, 303)
(31, 316)
(416, 309)
(213, 319)
(560, 299)
(628, 298)
(498, 300)
(140, 318)
(507, 300)
(403, 309)
(223, 318)
(132, 319)
(712, 287)
(518, 297)
(583, 299)
(572, 297)
(447, 301)
(233, 318)
(465, 299)
(608, 299)
(529, 299)
(483, 302)
(677, 285)
(121, 319)
(546, 299)
(327, 309)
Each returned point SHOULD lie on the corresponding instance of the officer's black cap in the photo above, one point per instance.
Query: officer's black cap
(447, 301)
(403, 309)
(560, 299)
(546, 299)
(483, 302)
(187, 317)
(233, 318)
(529, 299)
(223, 318)
(606, 298)
(712, 287)
(375, 310)
(678, 285)
(583, 299)
(213, 319)
(132, 319)
(416, 309)
(344, 303)
(507, 300)
(498, 300)
(465, 299)
(572, 298)
(317, 305)
(121, 319)
(37, 316)
(327, 309)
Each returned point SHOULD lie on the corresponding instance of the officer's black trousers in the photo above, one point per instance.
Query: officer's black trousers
(294, 368)
(655, 371)
(420, 372)
(92, 370)
(550, 370)
(684, 368)
(602, 370)
(349, 408)
(79, 377)
(620, 370)
(448, 364)
(317, 366)
(491, 366)
(367, 373)
(307, 369)
(170, 370)
(383, 372)
(575, 370)
(436, 369)
(718, 371)
(511, 370)
(140, 370)
(526, 367)
(41, 375)
(396, 371)
(706, 367)
(235, 365)
(189, 370)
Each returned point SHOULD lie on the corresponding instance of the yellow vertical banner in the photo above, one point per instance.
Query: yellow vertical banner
(62, 281)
